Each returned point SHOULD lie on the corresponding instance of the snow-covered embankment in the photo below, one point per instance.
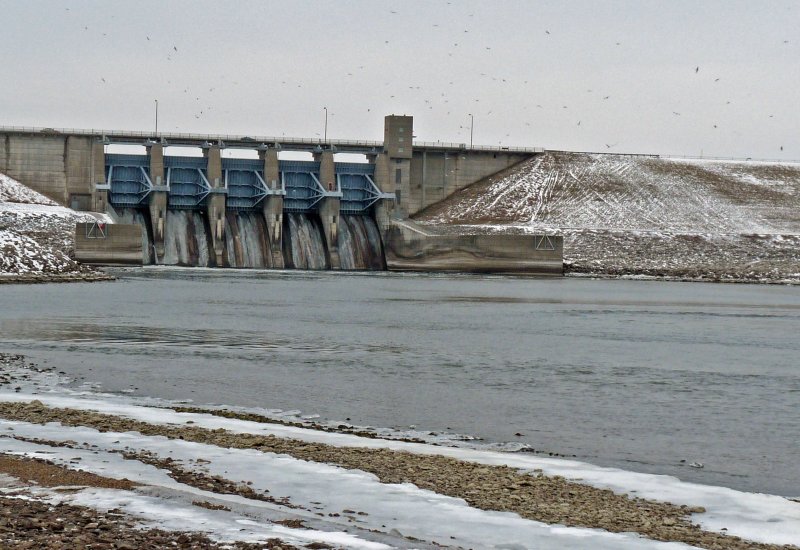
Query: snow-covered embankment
(37, 236)
(644, 216)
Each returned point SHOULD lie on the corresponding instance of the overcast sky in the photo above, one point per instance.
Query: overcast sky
(683, 77)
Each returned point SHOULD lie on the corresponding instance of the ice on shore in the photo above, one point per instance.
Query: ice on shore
(314, 487)
(757, 517)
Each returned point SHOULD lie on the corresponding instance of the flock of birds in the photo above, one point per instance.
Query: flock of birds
(203, 103)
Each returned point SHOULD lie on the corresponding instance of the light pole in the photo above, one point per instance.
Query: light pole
(325, 139)
(156, 116)
(471, 125)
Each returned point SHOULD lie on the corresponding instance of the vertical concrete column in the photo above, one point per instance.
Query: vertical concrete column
(215, 205)
(4, 148)
(329, 207)
(384, 209)
(99, 196)
(272, 206)
(158, 198)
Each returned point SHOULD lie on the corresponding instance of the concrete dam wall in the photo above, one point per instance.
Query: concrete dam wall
(265, 213)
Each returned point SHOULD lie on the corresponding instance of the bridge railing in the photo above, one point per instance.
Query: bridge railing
(255, 141)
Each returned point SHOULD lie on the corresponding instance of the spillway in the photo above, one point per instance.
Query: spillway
(360, 245)
(186, 239)
(246, 240)
(303, 244)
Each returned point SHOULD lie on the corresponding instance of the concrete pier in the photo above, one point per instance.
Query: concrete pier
(215, 204)
(272, 206)
(158, 198)
(329, 207)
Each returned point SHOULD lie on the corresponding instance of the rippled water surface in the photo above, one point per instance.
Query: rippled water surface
(638, 375)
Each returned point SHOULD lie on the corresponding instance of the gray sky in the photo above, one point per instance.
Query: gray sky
(623, 69)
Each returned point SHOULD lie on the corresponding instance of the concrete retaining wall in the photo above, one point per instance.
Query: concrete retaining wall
(415, 249)
(115, 244)
(59, 167)
(437, 175)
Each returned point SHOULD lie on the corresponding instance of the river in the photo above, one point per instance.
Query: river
(642, 375)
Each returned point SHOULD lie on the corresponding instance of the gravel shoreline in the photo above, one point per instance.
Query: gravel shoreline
(27, 523)
(538, 497)
(39, 278)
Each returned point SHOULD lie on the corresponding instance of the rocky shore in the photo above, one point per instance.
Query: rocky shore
(553, 500)
(29, 523)
(87, 276)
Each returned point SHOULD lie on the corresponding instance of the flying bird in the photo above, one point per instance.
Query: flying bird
(676, 113)
(547, 32)
(697, 69)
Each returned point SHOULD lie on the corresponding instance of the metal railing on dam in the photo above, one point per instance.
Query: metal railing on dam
(255, 142)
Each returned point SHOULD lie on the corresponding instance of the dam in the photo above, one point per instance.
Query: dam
(273, 211)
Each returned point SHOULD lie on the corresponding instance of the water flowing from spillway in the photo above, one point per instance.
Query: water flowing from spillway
(303, 244)
(246, 240)
(186, 239)
(360, 244)
(139, 217)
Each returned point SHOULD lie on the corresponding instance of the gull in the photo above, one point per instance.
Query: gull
(606, 97)
(697, 69)
(696, 465)
(175, 48)
(716, 80)
(579, 123)
(547, 32)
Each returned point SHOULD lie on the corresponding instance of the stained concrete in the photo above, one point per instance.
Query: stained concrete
(410, 247)
(110, 244)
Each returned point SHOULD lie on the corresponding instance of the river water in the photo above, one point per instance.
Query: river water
(645, 376)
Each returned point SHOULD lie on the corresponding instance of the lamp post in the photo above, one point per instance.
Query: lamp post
(156, 116)
(471, 125)
(325, 139)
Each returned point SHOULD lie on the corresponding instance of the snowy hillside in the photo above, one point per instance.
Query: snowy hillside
(36, 235)
(645, 215)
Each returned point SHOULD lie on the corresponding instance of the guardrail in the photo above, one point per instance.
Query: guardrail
(678, 157)
(257, 140)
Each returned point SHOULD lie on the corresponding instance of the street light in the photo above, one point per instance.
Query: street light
(325, 139)
(156, 116)
(471, 125)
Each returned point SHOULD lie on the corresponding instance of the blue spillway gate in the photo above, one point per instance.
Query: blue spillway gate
(244, 180)
(187, 182)
(359, 191)
(128, 180)
(301, 181)
(129, 184)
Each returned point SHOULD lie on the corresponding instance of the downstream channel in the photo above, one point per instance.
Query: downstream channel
(644, 376)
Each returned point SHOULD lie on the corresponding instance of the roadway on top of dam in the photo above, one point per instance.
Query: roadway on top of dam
(254, 142)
